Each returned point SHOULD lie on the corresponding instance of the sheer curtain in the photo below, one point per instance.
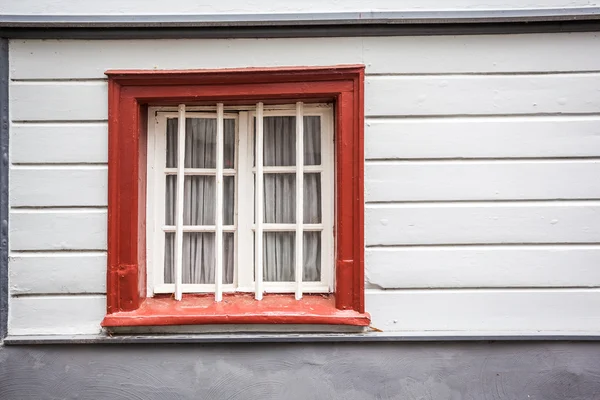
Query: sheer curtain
(279, 149)
(199, 200)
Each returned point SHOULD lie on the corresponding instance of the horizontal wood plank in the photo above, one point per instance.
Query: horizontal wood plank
(64, 186)
(485, 180)
(518, 311)
(58, 230)
(59, 101)
(494, 223)
(59, 143)
(482, 95)
(483, 266)
(68, 315)
(57, 273)
(487, 137)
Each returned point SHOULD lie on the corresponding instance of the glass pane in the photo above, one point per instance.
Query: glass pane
(199, 200)
(312, 140)
(169, 257)
(280, 198)
(170, 199)
(311, 255)
(312, 198)
(279, 141)
(278, 256)
(229, 143)
(228, 200)
(172, 128)
(200, 142)
(198, 257)
(228, 257)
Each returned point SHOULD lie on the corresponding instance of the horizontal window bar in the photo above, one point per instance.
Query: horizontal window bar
(199, 171)
(289, 169)
(199, 228)
(289, 227)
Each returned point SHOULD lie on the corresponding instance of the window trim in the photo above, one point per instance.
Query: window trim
(129, 95)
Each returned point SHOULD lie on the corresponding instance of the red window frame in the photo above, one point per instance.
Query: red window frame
(130, 92)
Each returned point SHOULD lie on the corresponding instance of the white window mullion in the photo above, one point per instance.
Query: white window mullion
(258, 204)
(219, 208)
(299, 195)
(179, 208)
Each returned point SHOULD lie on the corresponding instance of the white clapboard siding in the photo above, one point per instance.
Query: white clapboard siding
(416, 55)
(57, 273)
(481, 180)
(59, 101)
(520, 311)
(58, 186)
(483, 266)
(58, 229)
(62, 315)
(484, 137)
(466, 223)
(482, 94)
(58, 143)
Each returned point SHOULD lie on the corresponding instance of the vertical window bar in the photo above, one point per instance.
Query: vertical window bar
(299, 195)
(258, 204)
(219, 208)
(179, 220)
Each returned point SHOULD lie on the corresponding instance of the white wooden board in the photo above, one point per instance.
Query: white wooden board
(57, 273)
(58, 229)
(485, 137)
(468, 223)
(58, 143)
(58, 186)
(481, 180)
(483, 266)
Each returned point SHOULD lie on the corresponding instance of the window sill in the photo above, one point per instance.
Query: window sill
(237, 309)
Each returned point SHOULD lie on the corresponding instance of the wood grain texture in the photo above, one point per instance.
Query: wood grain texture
(63, 186)
(482, 95)
(487, 137)
(483, 266)
(58, 230)
(59, 143)
(486, 180)
(390, 224)
(57, 273)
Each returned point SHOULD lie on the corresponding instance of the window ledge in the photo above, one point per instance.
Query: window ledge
(237, 309)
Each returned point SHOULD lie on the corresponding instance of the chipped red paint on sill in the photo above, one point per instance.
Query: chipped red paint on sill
(237, 309)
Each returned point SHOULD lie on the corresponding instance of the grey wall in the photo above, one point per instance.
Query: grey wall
(481, 371)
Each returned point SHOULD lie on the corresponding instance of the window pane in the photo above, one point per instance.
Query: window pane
(228, 257)
(228, 200)
(311, 256)
(229, 143)
(198, 257)
(312, 140)
(279, 141)
(280, 198)
(169, 257)
(200, 143)
(199, 200)
(278, 256)
(172, 129)
(170, 199)
(312, 198)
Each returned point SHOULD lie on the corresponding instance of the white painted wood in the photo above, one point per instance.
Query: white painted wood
(68, 59)
(62, 186)
(483, 266)
(299, 198)
(219, 208)
(518, 311)
(180, 203)
(57, 273)
(58, 101)
(59, 143)
(482, 95)
(58, 229)
(244, 277)
(56, 315)
(468, 223)
(487, 137)
(481, 180)
(258, 204)
(115, 7)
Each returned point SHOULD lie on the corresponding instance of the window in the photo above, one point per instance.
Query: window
(211, 246)
(183, 236)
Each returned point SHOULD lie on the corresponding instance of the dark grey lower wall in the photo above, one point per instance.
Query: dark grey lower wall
(479, 371)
